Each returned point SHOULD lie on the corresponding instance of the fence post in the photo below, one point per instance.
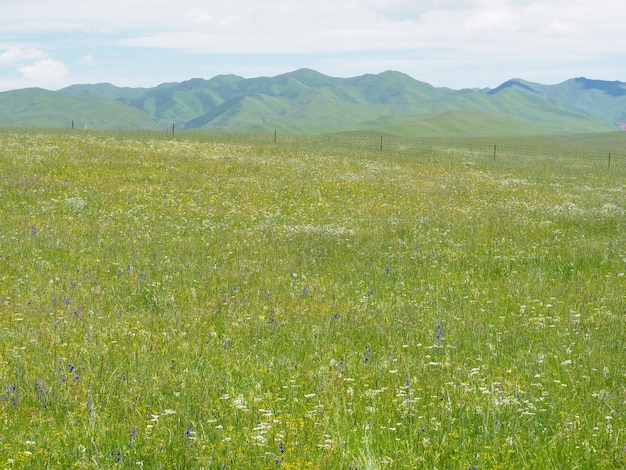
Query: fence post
(381, 143)
(609, 159)
(494, 151)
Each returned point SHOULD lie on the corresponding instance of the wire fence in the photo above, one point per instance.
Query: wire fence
(608, 149)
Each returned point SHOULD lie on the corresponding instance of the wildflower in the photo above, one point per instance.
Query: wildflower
(33, 230)
(73, 372)
(42, 392)
(304, 291)
(118, 455)
(439, 331)
(10, 392)
(388, 271)
(368, 354)
(281, 448)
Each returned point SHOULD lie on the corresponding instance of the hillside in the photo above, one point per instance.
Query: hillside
(35, 107)
(306, 101)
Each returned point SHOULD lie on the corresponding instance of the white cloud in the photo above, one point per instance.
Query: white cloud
(562, 27)
(34, 65)
(492, 19)
(18, 55)
(252, 26)
(46, 70)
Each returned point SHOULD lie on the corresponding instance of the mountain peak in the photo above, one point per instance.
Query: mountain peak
(514, 82)
(308, 77)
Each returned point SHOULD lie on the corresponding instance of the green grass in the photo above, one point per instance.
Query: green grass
(226, 301)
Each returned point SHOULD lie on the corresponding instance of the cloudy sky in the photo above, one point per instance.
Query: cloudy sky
(453, 43)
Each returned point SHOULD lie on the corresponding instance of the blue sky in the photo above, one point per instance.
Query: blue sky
(453, 43)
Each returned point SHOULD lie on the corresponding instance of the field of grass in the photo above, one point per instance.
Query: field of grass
(224, 301)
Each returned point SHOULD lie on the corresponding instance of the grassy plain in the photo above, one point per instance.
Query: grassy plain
(226, 301)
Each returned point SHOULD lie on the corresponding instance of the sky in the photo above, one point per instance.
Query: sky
(447, 43)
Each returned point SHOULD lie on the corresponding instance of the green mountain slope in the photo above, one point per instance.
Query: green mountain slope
(603, 100)
(306, 101)
(35, 107)
(457, 123)
(527, 105)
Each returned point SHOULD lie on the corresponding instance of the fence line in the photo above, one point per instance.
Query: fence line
(497, 149)
(591, 147)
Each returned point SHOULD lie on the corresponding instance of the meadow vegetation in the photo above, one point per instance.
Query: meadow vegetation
(227, 301)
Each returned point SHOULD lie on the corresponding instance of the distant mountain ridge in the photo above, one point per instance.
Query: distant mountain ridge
(306, 101)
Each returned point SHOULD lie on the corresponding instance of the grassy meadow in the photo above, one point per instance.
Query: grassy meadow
(227, 301)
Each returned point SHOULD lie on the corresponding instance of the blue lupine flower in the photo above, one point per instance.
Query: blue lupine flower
(277, 460)
(439, 331)
(368, 354)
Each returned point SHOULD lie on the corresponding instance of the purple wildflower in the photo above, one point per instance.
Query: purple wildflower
(439, 331)
(368, 354)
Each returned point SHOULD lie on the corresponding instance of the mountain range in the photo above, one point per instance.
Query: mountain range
(306, 101)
